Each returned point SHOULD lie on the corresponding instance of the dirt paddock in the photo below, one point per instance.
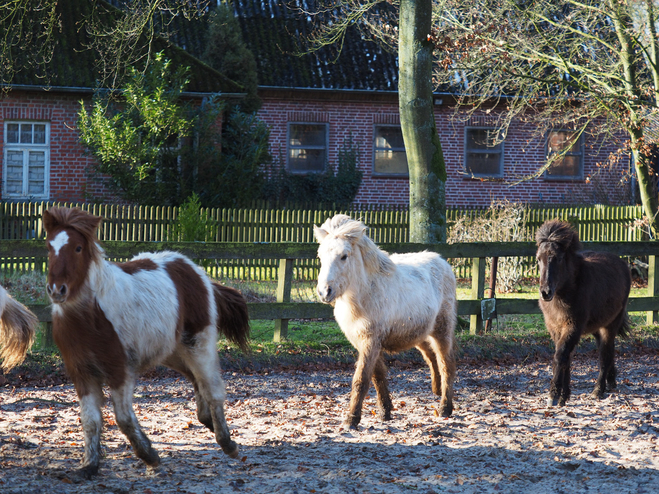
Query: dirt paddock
(501, 437)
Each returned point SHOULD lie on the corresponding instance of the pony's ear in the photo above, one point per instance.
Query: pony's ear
(356, 234)
(319, 233)
(49, 221)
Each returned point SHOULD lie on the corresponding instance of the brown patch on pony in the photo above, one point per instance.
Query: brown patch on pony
(17, 329)
(55, 219)
(232, 315)
(193, 313)
(132, 267)
(90, 348)
(558, 232)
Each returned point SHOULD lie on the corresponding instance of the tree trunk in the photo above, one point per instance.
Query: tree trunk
(424, 151)
(646, 190)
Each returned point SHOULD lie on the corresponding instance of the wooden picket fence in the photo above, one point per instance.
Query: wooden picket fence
(157, 224)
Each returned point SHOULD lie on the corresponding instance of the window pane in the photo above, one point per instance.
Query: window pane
(37, 173)
(391, 162)
(26, 133)
(567, 167)
(562, 141)
(481, 139)
(307, 135)
(39, 134)
(389, 137)
(306, 160)
(484, 163)
(12, 133)
(14, 165)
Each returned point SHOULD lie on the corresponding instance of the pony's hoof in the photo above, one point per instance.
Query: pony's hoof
(597, 394)
(88, 472)
(351, 424)
(231, 449)
(446, 410)
(384, 415)
(553, 401)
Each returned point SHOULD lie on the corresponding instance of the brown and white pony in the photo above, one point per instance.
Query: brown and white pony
(112, 321)
(581, 293)
(388, 304)
(17, 329)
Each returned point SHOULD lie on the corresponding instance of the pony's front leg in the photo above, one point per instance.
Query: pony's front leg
(122, 398)
(380, 382)
(368, 358)
(559, 389)
(92, 424)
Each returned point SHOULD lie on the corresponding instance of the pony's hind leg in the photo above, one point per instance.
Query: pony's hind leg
(429, 356)
(92, 423)
(203, 410)
(210, 394)
(122, 399)
(442, 345)
(607, 370)
(381, 387)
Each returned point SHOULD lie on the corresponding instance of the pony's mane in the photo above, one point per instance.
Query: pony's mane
(375, 259)
(559, 232)
(81, 221)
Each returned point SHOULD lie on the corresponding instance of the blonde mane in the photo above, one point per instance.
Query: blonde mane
(375, 259)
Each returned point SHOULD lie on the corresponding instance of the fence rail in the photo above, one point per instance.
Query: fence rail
(157, 224)
(286, 253)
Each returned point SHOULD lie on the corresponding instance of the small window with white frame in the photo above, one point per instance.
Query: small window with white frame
(483, 153)
(26, 167)
(307, 147)
(389, 158)
(565, 153)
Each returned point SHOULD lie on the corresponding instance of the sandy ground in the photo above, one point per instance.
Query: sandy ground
(501, 437)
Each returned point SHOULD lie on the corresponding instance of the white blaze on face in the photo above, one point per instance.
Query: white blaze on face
(60, 240)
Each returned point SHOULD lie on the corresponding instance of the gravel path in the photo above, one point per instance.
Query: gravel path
(501, 437)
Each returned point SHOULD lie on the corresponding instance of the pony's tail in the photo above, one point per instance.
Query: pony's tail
(232, 315)
(17, 329)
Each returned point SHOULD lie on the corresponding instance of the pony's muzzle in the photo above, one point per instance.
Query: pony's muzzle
(325, 293)
(547, 294)
(57, 295)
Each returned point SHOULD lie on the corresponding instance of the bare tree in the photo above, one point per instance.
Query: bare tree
(592, 66)
(26, 42)
(403, 25)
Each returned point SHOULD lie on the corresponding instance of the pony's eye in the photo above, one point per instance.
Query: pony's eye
(79, 248)
(344, 257)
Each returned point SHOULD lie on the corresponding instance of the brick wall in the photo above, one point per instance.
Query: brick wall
(346, 113)
(523, 152)
(69, 165)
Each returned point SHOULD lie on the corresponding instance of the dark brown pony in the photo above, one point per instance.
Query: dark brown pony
(581, 293)
(112, 321)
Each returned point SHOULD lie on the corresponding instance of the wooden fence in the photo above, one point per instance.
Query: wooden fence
(283, 310)
(157, 224)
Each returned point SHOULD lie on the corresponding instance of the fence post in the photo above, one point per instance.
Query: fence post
(652, 317)
(477, 292)
(284, 279)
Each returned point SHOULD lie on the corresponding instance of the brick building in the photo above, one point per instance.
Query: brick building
(311, 105)
(326, 97)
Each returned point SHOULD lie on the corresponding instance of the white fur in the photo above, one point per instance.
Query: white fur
(143, 306)
(60, 240)
(387, 303)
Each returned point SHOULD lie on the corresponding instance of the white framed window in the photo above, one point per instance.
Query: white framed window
(307, 147)
(389, 156)
(26, 170)
(483, 153)
(569, 164)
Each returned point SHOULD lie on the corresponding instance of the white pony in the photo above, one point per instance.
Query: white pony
(387, 304)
